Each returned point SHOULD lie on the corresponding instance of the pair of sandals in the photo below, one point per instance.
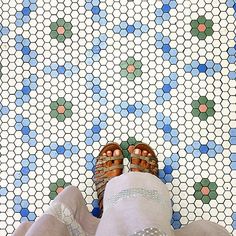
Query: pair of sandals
(108, 167)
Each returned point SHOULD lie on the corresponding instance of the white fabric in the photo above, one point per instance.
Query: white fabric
(135, 203)
(63, 214)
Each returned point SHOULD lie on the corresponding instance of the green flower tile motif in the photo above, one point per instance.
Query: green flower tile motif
(56, 188)
(131, 68)
(205, 191)
(61, 109)
(201, 27)
(125, 145)
(60, 30)
(203, 108)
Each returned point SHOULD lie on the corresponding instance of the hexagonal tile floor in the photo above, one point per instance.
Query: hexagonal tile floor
(77, 74)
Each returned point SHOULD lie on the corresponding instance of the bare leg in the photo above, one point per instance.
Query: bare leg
(48, 225)
(202, 227)
(23, 228)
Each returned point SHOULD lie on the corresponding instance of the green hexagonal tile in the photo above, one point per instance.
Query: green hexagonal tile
(201, 35)
(205, 199)
(195, 104)
(198, 195)
(68, 26)
(61, 117)
(210, 112)
(203, 116)
(131, 141)
(68, 34)
(53, 113)
(201, 19)
(197, 186)
(60, 182)
(213, 195)
(194, 32)
(60, 22)
(53, 187)
(123, 64)
(205, 182)
(53, 26)
(61, 38)
(137, 64)
(194, 24)
(209, 31)
(53, 105)
(126, 154)
(68, 113)
(61, 101)
(52, 195)
(212, 186)
(202, 100)
(124, 145)
(195, 112)
(137, 72)
(209, 23)
(123, 73)
(53, 34)
(67, 184)
(68, 105)
(130, 76)
(130, 60)
(210, 103)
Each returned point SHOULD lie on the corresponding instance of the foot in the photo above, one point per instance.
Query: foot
(109, 165)
(144, 160)
(101, 168)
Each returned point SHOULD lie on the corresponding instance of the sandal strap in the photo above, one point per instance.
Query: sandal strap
(101, 180)
(105, 169)
(140, 157)
(103, 159)
(139, 167)
(100, 188)
(145, 158)
(102, 173)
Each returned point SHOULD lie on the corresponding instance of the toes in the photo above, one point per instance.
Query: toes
(143, 162)
(144, 153)
(109, 154)
(118, 171)
(131, 148)
(134, 159)
(137, 151)
(117, 153)
(153, 169)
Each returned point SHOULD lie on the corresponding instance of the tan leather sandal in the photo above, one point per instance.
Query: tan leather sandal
(106, 169)
(147, 163)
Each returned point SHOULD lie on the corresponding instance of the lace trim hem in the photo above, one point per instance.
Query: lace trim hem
(64, 215)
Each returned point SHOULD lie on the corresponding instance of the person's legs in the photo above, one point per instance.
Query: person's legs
(23, 228)
(47, 225)
(109, 165)
(143, 159)
(202, 228)
(50, 225)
